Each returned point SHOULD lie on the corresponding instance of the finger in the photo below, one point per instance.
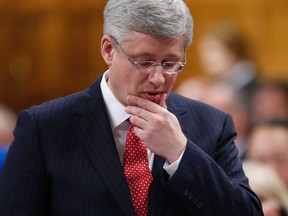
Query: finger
(138, 122)
(142, 103)
(138, 112)
(138, 131)
(162, 102)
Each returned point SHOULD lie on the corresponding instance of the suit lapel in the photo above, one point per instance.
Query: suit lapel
(93, 129)
(179, 110)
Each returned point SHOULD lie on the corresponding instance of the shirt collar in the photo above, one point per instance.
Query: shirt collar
(115, 109)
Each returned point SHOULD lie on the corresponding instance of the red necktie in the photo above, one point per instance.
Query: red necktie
(137, 172)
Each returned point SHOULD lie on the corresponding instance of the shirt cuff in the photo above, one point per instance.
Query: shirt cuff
(171, 168)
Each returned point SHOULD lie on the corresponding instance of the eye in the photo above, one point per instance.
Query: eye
(170, 65)
(144, 64)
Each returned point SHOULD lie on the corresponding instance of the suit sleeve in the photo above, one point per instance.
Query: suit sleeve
(23, 182)
(214, 184)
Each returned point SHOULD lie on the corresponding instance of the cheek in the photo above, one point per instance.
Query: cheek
(118, 81)
(169, 83)
(125, 81)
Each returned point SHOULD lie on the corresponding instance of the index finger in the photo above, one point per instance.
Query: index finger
(142, 103)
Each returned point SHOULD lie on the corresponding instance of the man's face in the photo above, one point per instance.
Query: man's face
(125, 79)
(270, 145)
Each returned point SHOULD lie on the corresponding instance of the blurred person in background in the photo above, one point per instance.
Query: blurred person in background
(224, 57)
(7, 124)
(268, 185)
(269, 99)
(268, 143)
(229, 73)
(194, 88)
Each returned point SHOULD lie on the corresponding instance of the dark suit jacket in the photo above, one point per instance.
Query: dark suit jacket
(64, 162)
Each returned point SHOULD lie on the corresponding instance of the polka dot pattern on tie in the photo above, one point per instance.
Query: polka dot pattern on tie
(137, 172)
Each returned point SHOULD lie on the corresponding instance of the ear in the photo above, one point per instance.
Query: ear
(107, 49)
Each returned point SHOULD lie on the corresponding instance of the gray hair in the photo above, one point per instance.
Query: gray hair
(158, 18)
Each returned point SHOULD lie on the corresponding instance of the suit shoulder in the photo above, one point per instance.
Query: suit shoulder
(59, 106)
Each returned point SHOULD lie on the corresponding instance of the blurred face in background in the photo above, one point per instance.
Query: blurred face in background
(269, 144)
(269, 102)
(215, 58)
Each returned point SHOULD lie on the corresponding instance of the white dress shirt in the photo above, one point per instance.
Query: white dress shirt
(120, 127)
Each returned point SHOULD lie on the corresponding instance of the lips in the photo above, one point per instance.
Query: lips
(153, 96)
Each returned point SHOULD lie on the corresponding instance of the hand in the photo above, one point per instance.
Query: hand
(156, 127)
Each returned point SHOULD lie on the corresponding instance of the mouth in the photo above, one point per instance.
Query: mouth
(153, 96)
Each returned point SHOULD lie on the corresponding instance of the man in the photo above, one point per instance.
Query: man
(268, 143)
(68, 157)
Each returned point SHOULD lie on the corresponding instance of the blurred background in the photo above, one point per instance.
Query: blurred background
(238, 62)
(51, 48)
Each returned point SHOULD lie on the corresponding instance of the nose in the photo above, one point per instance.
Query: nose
(156, 76)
